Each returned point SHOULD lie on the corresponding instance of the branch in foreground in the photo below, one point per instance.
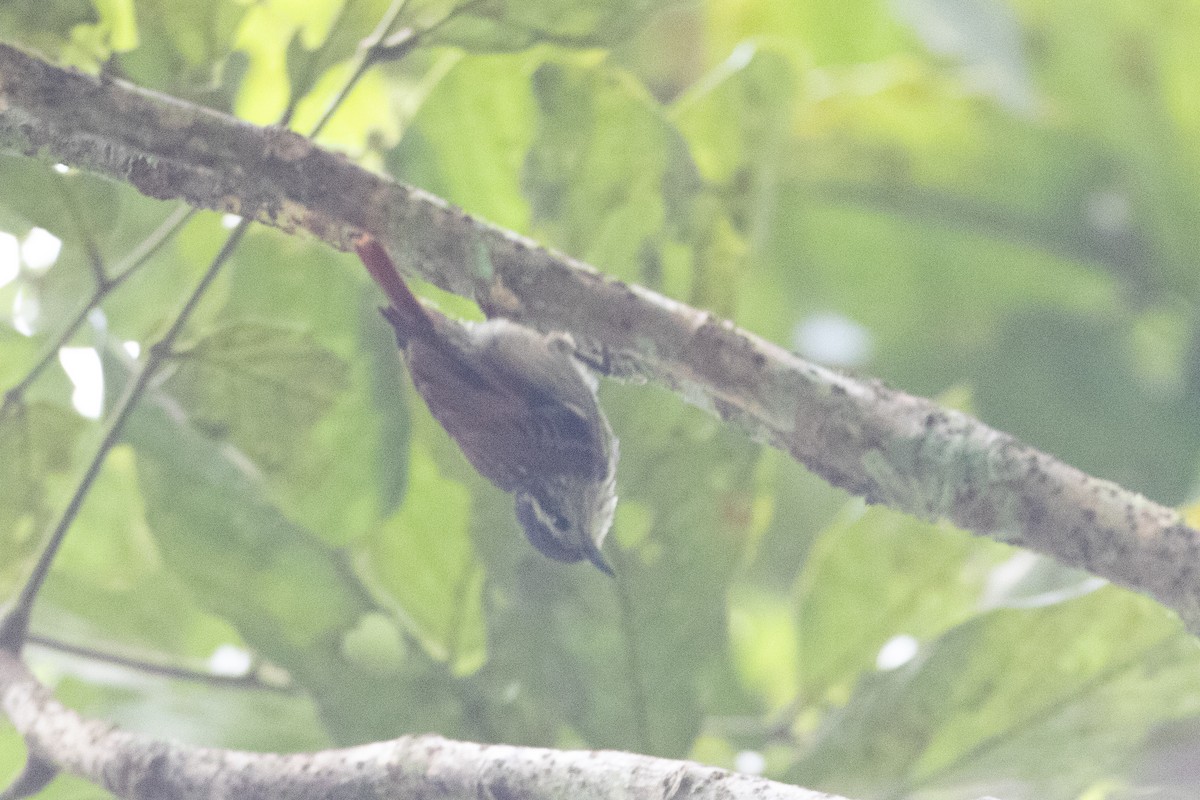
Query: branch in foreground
(890, 447)
(135, 766)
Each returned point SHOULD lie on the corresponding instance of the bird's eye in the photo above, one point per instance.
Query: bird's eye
(550, 513)
(546, 529)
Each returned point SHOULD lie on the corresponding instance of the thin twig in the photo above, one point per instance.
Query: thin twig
(381, 44)
(638, 704)
(250, 679)
(364, 59)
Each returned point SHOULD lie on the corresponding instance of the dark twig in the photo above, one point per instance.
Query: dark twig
(365, 58)
(250, 679)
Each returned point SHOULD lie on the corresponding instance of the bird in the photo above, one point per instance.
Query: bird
(521, 407)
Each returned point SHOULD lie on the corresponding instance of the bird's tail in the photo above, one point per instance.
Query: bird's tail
(407, 315)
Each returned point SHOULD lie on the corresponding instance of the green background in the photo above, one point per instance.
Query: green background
(999, 200)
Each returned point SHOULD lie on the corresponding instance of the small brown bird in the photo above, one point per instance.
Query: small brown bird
(522, 409)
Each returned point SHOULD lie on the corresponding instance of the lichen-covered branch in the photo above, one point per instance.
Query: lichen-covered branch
(890, 447)
(143, 768)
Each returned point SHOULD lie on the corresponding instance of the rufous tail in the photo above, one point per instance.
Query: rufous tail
(410, 317)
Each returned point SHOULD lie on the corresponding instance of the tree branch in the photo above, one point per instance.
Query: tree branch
(885, 445)
(142, 768)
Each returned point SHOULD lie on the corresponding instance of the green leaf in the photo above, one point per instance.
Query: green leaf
(36, 442)
(1048, 699)
(291, 597)
(572, 23)
(40, 196)
(1063, 358)
(390, 400)
(827, 31)
(12, 752)
(375, 645)
(46, 26)
(218, 531)
(736, 121)
(424, 559)
(326, 295)
(20, 353)
(874, 575)
(110, 586)
(606, 174)
(261, 387)
(470, 135)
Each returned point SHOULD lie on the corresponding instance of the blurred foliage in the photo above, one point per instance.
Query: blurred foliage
(988, 201)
